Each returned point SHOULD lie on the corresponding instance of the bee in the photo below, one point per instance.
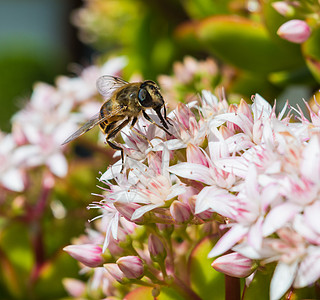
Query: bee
(125, 102)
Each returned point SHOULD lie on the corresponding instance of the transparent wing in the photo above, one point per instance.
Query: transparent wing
(94, 121)
(107, 85)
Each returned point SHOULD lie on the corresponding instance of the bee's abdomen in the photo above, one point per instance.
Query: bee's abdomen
(104, 111)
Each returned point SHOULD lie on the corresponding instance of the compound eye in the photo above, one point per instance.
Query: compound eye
(142, 95)
(144, 98)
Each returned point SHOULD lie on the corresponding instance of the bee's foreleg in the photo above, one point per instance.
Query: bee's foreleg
(153, 122)
(112, 134)
(138, 133)
(115, 147)
(165, 115)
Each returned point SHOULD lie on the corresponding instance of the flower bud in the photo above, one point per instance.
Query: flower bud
(231, 126)
(180, 211)
(245, 109)
(88, 254)
(131, 266)
(196, 156)
(283, 8)
(115, 272)
(234, 264)
(225, 132)
(75, 288)
(205, 215)
(127, 210)
(156, 248)
(295, 31)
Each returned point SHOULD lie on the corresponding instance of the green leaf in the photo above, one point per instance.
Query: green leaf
(145, 293)
(311, 51)
(246, 83)
(198, 9)
(273, 20)
(16, 260)
(186, 35)
(55, 269)
(285, 78)
(260, 285)
(246, 45)
(204, 279)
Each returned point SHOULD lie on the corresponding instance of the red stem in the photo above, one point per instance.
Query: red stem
(232, 288)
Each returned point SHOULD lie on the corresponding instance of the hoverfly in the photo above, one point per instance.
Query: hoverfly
(124, 104)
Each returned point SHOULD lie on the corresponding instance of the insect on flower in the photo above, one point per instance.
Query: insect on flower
(124, 104)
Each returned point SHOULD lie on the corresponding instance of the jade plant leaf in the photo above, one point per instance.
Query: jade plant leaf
(260, 285)
(204, 279)
(145, 293)
(311, 51)
(198, 9)
(246, 44)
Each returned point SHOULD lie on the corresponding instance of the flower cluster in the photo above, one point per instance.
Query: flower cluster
(42, 125)
(253, 171)
(189, 77)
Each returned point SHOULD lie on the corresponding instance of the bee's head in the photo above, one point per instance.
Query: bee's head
(149, 97)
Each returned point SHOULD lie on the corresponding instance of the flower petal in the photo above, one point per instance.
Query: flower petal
(310, 166)
(261, 108)
(228, 240)
(139, 212)
(309, 270)
(278, 216)
(234, 165)
(216, 199)
(58, 164)
(193, 171)
(312, 214)
(282, 279)
(13, 180)
(255, 234)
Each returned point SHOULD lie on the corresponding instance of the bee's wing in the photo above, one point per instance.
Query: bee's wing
(107, 85)
(95, 120)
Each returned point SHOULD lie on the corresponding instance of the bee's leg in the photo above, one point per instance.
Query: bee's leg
(115, 147)
(112, 134)
(153, 122)
(109, 127)
(165, 115)
(134, 120)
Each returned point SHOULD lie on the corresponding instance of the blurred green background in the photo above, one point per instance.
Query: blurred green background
(235, 46)
(37, 42)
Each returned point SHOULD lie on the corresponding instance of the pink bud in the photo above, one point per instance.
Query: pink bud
(131, 266)
(295, 31)
(156, 247)
(283, 8)
(196, 156)
(75, 288)
(205, 215)
(127, 209)
(180, 211)
(231, 126)
(245, 109)
(115, 272)
(183, 115)
(257, 131)
(234, 264)
(225, 132)
(88, 254)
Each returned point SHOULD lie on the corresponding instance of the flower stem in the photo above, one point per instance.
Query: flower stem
(232, 288)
